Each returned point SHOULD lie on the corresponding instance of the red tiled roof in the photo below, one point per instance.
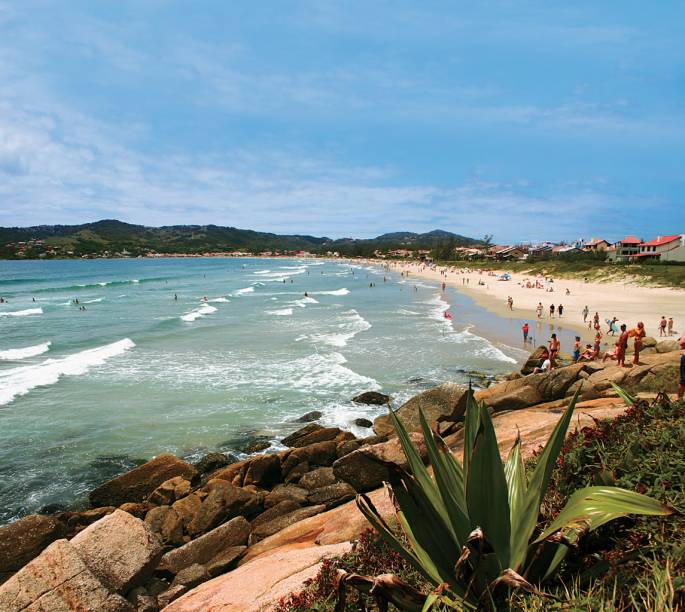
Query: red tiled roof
(661, 240)
(630, 240)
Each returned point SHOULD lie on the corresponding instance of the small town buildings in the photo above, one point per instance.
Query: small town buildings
(624, 249)
(596, 244)
(662, 248)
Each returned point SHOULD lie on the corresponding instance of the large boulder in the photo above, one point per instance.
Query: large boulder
(372, 398)
(59, 581)
(137, 484)
(166, 523)
(212, 462)
(207, 547)
(223, 501)
(170, 490)
(332, 495)
(446, 402)
(370, 466)
(318, 454)
(310, 434)
(187, 508)
(320, 477)
(119, 549)
(314, 415)
(667, 346)
(286, 492)
(534, 360)
(268, 528)
(25, 539)
(263, 471)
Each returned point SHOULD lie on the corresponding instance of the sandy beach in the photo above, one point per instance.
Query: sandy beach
(628, 302)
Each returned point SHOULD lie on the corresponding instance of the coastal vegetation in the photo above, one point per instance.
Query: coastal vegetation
(624, 564)
(112, 238)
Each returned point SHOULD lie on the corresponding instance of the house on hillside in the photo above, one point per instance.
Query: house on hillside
(562, 249)
(596, 244)
(510, 253)
(624, 249)
(538, 251)
(662, 248)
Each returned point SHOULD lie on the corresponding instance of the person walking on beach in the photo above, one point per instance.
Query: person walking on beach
(551, 312)
(554, 347)
(638, 333)
(525, 330)
(510, 302)
(586, 312)
(662, 326)
(538, 309)
(560, 309)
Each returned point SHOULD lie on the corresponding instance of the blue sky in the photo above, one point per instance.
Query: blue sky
(528, 120)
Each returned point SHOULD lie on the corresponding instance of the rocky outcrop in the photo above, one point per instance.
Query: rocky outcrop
(310, 434)
(25, 539)
(367, 468)
(534, 360)
(372, 398)
(119, 549)
(59, 581)
(255, 587)
(139, 483)
(208, 547)
(445, 403)
(314, 415)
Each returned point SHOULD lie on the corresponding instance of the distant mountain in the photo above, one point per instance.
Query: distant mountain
(110, 237)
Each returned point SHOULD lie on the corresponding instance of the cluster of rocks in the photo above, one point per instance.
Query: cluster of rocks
(175, 525)
(166, 526)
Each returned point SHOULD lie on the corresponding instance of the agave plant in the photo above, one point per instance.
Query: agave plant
(472, 528)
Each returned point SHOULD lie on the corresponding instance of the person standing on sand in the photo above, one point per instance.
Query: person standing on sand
(510, 302)
(551, 311)
(525, 329)
(554, 347)
(669, 326)
(662, 326)
(576, 350)
(561, 309)
(538, 309)
(586, 312)
(638, 333)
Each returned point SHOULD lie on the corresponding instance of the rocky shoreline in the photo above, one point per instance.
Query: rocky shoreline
(158, 531)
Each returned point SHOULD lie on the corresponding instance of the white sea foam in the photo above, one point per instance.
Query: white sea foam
(304, 301)
(22, 313)
(223, 300)
(94, 301)
(135, 280)
(19, 381)
(23, 353)
(263, 272)
(343, 291)
(196, 314)
(350, 324)
(243, 291)
(282, 312)
(326, 371)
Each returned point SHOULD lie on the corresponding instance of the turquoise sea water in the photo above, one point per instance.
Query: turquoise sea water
(85, 394)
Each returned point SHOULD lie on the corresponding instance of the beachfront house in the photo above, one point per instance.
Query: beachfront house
(662, 248)
(596, 244)
(624, 249)
(509, 253)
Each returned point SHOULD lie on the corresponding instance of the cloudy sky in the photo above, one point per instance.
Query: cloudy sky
(527, 120)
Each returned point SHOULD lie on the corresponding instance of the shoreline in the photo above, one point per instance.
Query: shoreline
(628, 302)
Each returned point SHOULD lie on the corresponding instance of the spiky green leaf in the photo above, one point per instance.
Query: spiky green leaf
(487, 496)
(592, 507)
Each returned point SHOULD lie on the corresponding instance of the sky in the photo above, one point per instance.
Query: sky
(525, 120)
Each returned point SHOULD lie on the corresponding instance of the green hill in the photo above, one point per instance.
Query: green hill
(110, 237)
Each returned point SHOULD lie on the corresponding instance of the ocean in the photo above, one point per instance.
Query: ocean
(238, 355)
